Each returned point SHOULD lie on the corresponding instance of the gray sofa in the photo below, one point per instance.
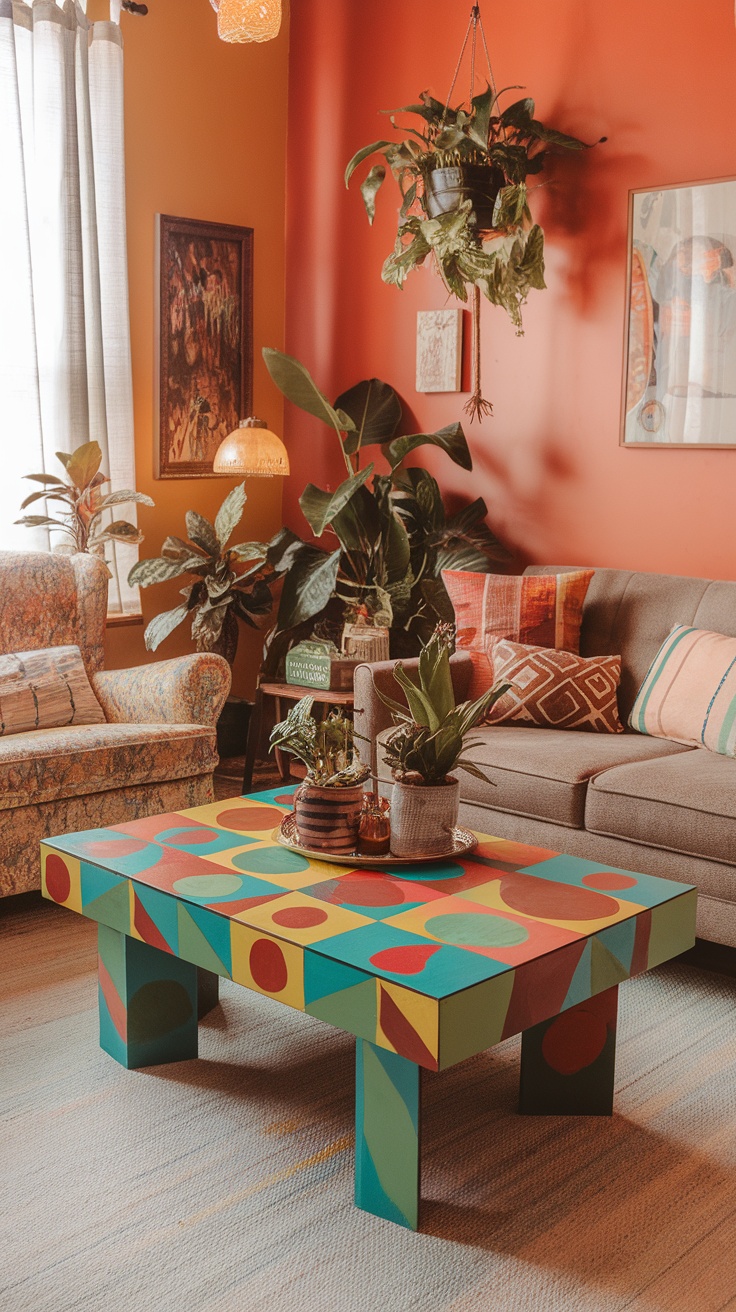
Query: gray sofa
(625, 800)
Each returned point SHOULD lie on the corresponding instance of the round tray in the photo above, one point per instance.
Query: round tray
(460, 841)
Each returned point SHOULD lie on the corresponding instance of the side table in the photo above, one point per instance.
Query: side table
(278, 693)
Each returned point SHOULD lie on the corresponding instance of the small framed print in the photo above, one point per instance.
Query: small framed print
(204, 341)
(680, 351)
(439, 350)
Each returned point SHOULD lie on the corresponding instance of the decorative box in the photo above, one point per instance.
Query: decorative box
(314, 664)
(365, 642)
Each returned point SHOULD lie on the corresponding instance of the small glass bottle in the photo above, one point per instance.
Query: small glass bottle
(374, 834)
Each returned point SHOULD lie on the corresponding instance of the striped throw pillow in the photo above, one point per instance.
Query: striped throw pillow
(555, 689)
(544, 610)
(689, 693)
(44, 690)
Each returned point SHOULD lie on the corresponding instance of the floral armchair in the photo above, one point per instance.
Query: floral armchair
(157, 750)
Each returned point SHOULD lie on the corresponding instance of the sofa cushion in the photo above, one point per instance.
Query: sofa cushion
(546, 612)
(91, 758)
(544, 773)
(555, 689)
(45, 689)
(689, 693)
(684, 802)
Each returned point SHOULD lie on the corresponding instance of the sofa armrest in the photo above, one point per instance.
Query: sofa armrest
(186, 690)
(371, 716)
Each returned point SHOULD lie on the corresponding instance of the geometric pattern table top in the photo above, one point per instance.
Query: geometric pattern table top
(434, 962)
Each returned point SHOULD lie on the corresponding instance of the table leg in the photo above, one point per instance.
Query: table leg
(387, 1091)
(148, 1002)
(255, 729)
(568, 1063)
(208, 991)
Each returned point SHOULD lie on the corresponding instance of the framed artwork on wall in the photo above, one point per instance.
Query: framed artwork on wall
(204, 341)
(680, 343)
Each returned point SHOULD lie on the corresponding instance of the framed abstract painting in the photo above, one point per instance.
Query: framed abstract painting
(204, 341)
(680, 344)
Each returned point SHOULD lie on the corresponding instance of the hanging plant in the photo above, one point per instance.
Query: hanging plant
(462, 174)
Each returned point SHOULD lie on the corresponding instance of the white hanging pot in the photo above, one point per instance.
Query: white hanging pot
(422, 816)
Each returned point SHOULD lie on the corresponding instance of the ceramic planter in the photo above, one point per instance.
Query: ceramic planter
(446, 189)
(327, 819)
(421, 816)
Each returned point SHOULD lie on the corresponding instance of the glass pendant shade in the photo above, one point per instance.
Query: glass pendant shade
(248, 20)
(252, 451)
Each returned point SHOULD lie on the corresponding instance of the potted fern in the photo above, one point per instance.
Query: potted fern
(426, 746)
(328, 804)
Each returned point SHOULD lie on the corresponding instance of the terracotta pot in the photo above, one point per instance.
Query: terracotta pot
(422, 816)
(327, 819)
(446, 189)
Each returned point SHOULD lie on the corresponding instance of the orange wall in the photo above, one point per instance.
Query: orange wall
(205, 127)
(659, 79)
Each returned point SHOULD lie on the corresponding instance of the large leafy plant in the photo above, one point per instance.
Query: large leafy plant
(219, 594)
(431, 730)
(388, 535)
(80, 504)
(325, 746)
(510, 145)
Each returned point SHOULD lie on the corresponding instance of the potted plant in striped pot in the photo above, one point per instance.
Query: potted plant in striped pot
(426, 746)
(328, 804)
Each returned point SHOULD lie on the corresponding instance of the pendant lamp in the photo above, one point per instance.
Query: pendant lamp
(252, 451)
(248, 20)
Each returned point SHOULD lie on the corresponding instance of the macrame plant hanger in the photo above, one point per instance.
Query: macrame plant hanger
(477, 407)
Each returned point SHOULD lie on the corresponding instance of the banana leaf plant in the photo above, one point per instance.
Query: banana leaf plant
(218, 594)
(82, 504)
(387, 535)
(476, 222)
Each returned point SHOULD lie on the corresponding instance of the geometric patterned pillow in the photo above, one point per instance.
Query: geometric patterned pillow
(44, 690)
(555, 689)
(689, 693)
(542, 609)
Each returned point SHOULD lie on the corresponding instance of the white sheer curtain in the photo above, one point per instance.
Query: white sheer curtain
(65, 368)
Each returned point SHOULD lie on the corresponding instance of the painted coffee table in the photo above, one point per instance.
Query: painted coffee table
(426, 965)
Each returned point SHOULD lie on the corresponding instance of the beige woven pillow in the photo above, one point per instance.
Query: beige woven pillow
(45, 690)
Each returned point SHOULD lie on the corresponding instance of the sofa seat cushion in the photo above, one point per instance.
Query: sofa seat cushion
(91, 758)
(544, 773)
(683, 803)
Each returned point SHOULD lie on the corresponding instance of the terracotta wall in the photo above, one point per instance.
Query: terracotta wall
(659, 79)
(205, 138)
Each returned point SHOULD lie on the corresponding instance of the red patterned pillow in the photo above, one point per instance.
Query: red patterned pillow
(543, 609)
(555, 689)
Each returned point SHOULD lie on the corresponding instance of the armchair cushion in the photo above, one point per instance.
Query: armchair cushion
(186, 690)
(44, 689)
(93, 758)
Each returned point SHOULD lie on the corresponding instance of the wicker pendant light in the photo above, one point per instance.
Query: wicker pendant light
(248, 20)
(252, 451)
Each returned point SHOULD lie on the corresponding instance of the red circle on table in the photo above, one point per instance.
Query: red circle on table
(366, 890)
(188, 837)
(245, 818)
(531, 895)
(408, 960)
(115, 846)
(573, 1041)
(58, 879)
(267, 965)
(299, 917)
(609, 881)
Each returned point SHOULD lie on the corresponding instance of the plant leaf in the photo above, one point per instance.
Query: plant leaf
(48, 479)
(247, 551)
(65, 497)
(160, 568)
(84, 464)
(370, 187)
(450, 439)
(119, 531)
(374, 410)
(308, 586)
(299, 387)
(162, 625)
(320, 508)
(362, 154)
(202, 532)
(229, 514)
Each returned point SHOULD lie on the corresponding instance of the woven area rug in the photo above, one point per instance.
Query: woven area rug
(225, 1185)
